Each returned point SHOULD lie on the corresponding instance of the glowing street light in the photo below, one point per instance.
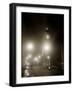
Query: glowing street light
(27, 63)
(49, 67)
(30, 46)
(29, 56)
(27, 72)
(27, 67)
(48, 57)
(36, 59)
(47, 37)
(46, 28)
(39, 56)
(47, 47)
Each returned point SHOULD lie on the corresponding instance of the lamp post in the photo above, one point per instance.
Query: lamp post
(46, 48)
(30, 46)
(27, 61)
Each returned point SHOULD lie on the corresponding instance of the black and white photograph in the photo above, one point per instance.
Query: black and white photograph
(42, 44)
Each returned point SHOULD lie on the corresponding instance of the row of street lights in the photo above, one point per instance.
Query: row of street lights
(46, 49)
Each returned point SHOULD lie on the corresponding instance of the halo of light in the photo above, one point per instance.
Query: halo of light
(47, 37)
(39, 56)
(29, 56)
(30, 46)
(49, 67)
(27, 63)
(36, 59)
(46, 28)
(27, 67)
(26, 72)
(47, 47)
(48, 57)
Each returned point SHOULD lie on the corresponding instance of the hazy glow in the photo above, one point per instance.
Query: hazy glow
(27, 63)
(47, 47)
(46, 28)
(47, 37)
(27, 73)
(39, 56)
(30, 46)
(48, 57)
(49, 67)
(36, 59)
(27, 67)
(29, 56)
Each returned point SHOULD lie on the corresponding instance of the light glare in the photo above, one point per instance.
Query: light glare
(47, 37)
(39, 56)
(30, 46)
(48, 57)
(29, 56)
(47, 47)
(36, 59)
(27, 73)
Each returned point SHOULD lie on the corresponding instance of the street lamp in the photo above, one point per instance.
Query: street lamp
(29, 56)
(39, 56)
(26, 72)
(36, 59)
(47, 47)
(47, 36)
(48, 57)
(27, 63)
(30, 46)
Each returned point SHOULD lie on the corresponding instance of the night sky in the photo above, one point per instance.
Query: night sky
(34, 27)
